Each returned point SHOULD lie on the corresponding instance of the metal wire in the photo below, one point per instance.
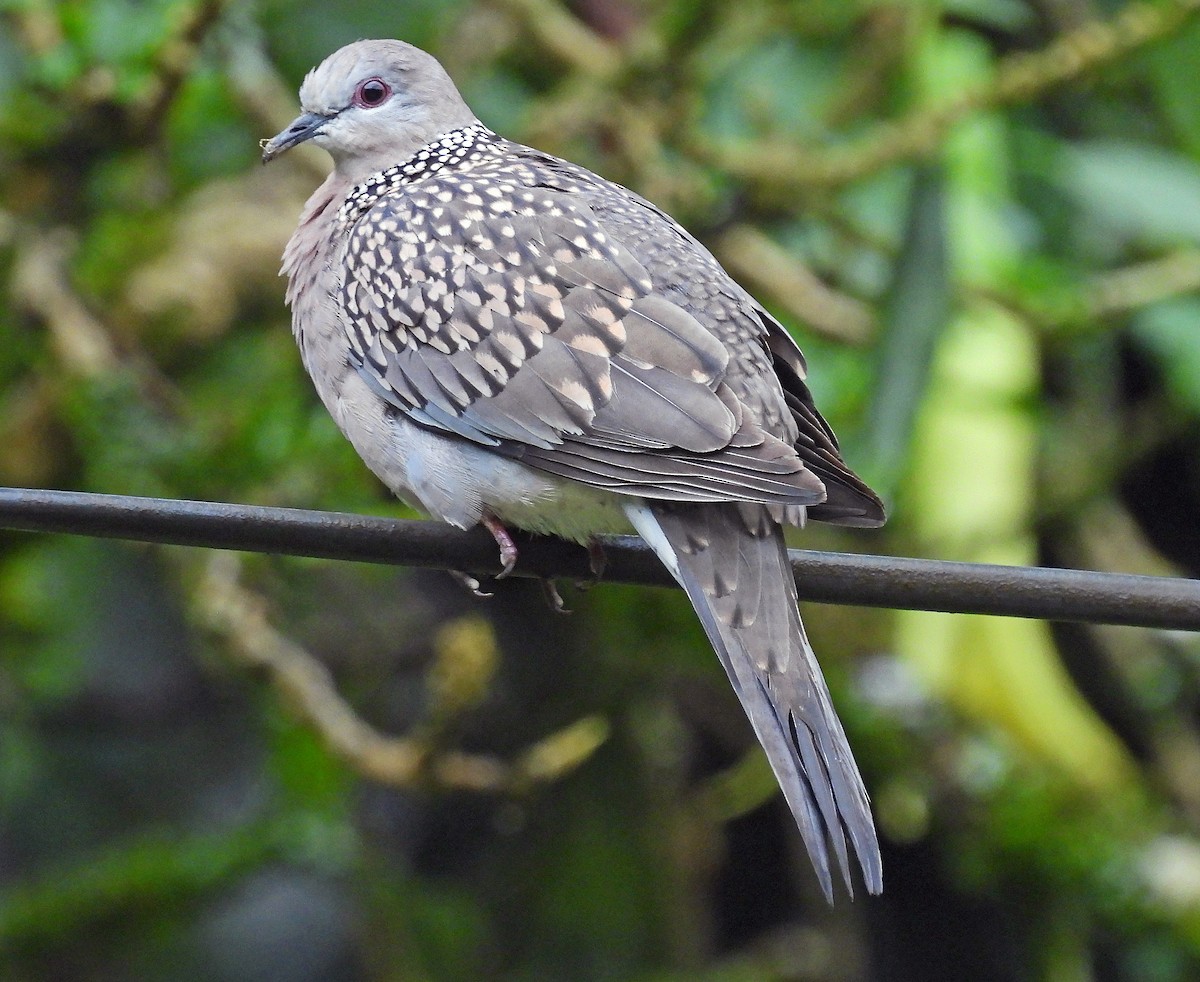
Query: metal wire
(828, 577)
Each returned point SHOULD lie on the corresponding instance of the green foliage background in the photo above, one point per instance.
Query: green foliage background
(982, 220)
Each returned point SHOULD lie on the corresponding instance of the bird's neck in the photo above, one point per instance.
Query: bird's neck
(354, 164)
(454, 150)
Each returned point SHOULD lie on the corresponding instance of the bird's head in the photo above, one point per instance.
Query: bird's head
(371, 104)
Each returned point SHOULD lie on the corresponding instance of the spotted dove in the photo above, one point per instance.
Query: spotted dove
(508, 339)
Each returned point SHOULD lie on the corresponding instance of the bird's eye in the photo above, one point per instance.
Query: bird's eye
(371, 92)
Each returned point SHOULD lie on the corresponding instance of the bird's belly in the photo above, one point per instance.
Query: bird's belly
(457, 481)
(567, 509)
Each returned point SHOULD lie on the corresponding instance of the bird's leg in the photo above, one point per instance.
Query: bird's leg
(508, 548)
(508, 558)
(597, 563)
(597, 558)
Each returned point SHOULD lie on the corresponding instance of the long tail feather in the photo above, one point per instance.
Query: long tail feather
(732, 562)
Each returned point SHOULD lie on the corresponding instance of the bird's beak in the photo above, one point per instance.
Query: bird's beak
(302, 128)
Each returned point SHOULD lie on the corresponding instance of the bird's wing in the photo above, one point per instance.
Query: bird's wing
(767, 370)
(504, 312)
(732, 562)
(849, 500)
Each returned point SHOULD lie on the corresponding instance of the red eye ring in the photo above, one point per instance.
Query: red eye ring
(371, 93)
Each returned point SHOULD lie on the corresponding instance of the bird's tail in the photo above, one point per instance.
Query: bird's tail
(732, 561)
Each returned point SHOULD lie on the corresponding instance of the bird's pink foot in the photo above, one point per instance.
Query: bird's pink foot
(508, 548)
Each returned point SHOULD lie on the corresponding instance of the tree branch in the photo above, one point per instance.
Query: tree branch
(227, 608)
(791, 169)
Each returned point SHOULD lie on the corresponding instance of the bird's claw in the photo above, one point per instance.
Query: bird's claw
(553, 597)
(470, 582)
(508, 556)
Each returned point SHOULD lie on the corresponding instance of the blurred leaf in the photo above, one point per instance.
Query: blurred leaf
(1011, 15)
(118, 39)
(47, 592)
(129, 445)
(777, 87)
(1147, 193)
(308, 774)
(118, 239)
(153, 870)
(969, 496)
(500, 99)
(1170, 332)
(207, 135)
(302, 35)
(443, 936)
(1177, 85)
(1005, 670)
(594, 876)
(916, 312)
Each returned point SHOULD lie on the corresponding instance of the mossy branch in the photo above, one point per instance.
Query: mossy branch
(787, 168)
(234, 613)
